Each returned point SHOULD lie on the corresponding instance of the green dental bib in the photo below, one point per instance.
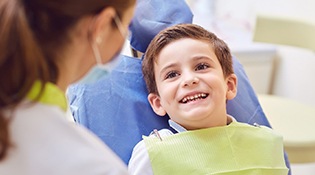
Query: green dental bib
(238, 149)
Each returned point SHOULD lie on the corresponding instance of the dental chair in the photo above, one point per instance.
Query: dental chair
(116, 108)
(293, 119)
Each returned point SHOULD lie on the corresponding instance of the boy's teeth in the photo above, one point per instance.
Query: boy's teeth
(193, 97)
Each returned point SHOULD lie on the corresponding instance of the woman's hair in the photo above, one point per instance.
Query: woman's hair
(175, 33)
(32, 34)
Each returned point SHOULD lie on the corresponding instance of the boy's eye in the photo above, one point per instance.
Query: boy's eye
(171, 74)
(202, 66)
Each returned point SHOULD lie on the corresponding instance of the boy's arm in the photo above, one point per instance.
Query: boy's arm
(139, 163)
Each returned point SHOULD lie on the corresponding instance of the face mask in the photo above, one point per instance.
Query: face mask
(101, 70)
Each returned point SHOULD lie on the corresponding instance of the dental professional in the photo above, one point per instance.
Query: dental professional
(45, 46)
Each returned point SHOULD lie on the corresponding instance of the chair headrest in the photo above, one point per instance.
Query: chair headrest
(152, 16)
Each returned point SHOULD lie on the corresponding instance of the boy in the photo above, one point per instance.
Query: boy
(189, 75)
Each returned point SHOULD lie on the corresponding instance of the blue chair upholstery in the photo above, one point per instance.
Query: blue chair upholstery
(116, 108)
(245, 107)
(152, 16)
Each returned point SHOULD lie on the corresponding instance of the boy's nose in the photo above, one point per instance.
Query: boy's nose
(190, 80)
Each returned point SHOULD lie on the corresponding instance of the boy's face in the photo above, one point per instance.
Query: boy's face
(191, 85)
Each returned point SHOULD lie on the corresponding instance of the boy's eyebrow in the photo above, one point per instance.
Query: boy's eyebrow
(202, 57)
(167, 67)
(196, 58)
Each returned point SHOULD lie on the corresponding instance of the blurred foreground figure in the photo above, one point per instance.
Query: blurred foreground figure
(45, 46)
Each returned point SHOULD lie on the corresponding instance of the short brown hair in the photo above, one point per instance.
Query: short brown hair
(177, 32)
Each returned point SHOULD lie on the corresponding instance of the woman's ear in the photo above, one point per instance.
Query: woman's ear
(101, 24)
(155, 103)
(232, 87)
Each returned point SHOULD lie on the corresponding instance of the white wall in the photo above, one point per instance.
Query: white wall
(295, 74)
(295, 68)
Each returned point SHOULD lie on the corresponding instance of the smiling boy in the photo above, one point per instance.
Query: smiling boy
(192, 88)
(189, 76)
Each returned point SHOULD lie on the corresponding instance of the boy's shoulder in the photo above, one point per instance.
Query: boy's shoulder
(256, 128)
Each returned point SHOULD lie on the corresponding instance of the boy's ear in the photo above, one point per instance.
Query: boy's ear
(232, 87)
(155, 103)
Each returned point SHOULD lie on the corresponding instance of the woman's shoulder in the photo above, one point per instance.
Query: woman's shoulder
(43, 131)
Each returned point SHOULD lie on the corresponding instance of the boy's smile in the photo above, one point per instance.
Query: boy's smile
(191, 85)
(195, 97)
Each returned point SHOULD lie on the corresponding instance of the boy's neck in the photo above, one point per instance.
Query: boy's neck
(179, 128)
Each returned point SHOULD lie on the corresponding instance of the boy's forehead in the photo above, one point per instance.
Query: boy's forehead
(185, 42)
(185, 49)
